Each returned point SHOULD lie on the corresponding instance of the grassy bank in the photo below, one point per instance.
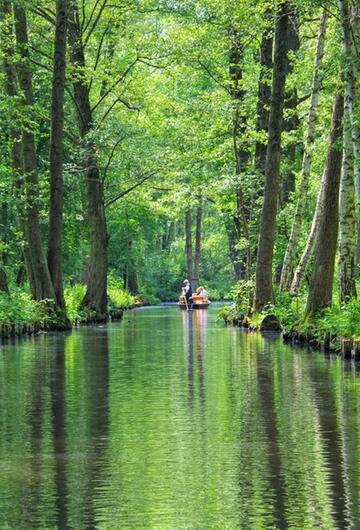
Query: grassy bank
(336, 328)
(20, 314)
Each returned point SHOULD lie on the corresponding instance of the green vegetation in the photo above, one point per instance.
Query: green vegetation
(338, 320)
(144, 144)
(20, 308)
(288, 309)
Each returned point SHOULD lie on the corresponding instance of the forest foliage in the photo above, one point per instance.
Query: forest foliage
(145, 142)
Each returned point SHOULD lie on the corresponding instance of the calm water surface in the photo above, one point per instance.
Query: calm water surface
(168, 420)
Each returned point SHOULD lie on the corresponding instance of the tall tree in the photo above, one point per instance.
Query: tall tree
(320, 292)
(11, 90)
(264, 91)
(291, 121)
(263, 278)
(347, 224)
(189, 248)
(56, 154)
(310, 241)
(234, 253)
(239, 135)
(96, 293)
(193, 255)
(40, 281)
(349, 16)
(286, 273)
(199, 216)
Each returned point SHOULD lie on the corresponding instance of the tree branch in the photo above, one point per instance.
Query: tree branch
(40, 52)
(98, 53)
(84, 26)
(326, 8)
(117, 100)
(43, 14)
(303, 98)
(115, 84)
(95, 23)
(125, 192)
(83, 12)
(42, 65)
(111, 156)
(207, 70)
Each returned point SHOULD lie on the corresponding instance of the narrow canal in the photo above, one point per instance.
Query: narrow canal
(168, 420)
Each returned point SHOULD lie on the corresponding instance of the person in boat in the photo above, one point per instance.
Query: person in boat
(201, 291)
(187, 291)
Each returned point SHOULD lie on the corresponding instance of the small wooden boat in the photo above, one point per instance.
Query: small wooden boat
(198, 302)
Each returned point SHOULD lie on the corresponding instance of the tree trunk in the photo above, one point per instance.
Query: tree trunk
(40, 280)
(264, 94)
(168, 235)
(56, 155)
(357, 250)
(304, 260)
(4, 222)
(109, 53)
(234, 253)
(291, 123)
(96, 293)
(188, 248)
(355, 35)
(320, 292)
(240, 142)
(286, 273)
(130, 276)
(11, 87)
(4, 240)
(263, 279)
(4, 288)
(347, 231)
(350, 36)
(347, 235)
(199, 214)
(21, 275)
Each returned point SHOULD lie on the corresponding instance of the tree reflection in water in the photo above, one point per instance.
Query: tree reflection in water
(170, 420)
(194, 334)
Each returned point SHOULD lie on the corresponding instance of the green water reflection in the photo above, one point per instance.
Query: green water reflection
(168, 420)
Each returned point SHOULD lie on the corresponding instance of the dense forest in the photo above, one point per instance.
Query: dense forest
(145, 142)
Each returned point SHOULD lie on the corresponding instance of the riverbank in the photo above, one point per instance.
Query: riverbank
(314, 338)
(21, 315)
(335, 329)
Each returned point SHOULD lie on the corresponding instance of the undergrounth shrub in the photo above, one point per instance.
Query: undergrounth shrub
(118, 297)
(20, 308)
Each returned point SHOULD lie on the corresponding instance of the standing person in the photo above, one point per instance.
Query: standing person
(187, 291)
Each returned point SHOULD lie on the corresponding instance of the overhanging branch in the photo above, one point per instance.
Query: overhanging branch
(115, 84)
(127, 191)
